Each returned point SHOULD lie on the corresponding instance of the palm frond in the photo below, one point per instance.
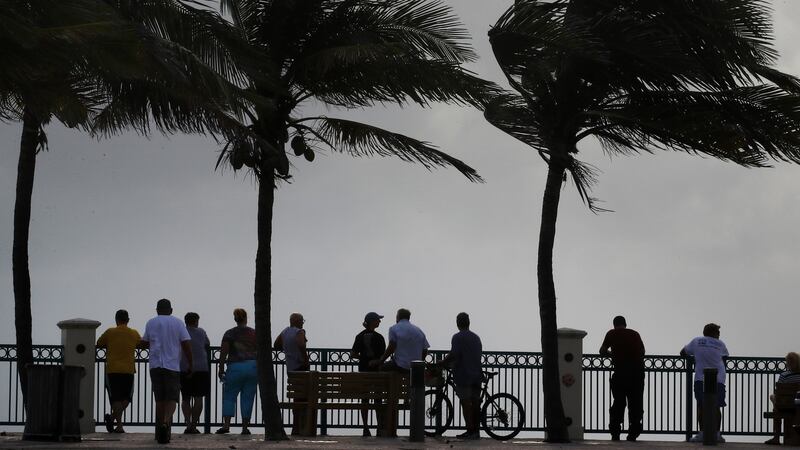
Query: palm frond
(360, 140)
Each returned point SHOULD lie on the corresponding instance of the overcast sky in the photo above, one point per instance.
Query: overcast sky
(123, 222)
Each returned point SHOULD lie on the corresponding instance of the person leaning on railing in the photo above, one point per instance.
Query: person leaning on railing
(239, 352)
(791, 375)
(120, 343)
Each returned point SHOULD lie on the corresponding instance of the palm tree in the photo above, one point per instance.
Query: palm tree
(348, 54)
(637, 76)
(82, 63)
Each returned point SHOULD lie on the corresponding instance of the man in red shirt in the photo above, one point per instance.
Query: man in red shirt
(627, 382)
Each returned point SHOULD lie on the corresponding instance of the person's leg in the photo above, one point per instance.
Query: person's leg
(617, 411)
(230, 390)
(635, 396)
(365, 417)
(197, 409)
(248, 395)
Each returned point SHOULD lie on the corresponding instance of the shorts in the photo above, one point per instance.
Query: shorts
(698, 393)
(469, 391)
(197, 385)
(119, 387)
(166, 384)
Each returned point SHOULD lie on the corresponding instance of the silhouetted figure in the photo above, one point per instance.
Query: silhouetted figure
(292, 341)
(195, 384)
(407, 343)
(708, 352)
(465, 359)
(238, 350)
(790, 375)
(120, 343)
(166, 337)
(367, 346)
(627, 382)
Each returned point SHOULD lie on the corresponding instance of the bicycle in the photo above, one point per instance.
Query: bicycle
(501, 415)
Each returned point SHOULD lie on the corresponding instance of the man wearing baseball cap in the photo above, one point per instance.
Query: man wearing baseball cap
(369, 345)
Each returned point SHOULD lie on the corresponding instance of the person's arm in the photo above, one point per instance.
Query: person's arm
(389, 350)
(605, 347)
(301, 345)
(102, 341)
(224, 348)
(186, 346)
(278, 344)
(355, 350)
(144, 342)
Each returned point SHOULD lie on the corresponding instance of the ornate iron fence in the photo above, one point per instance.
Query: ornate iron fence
(669, 404)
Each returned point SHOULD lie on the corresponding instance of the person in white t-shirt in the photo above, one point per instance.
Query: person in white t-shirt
(708, 352)
(166, 337)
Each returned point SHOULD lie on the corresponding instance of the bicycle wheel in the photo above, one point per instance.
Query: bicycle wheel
(502, 416)
(438, 413)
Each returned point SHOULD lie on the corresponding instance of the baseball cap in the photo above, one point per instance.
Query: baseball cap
(372, 316)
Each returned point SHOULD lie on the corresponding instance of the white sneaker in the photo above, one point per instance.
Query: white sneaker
(697, 437)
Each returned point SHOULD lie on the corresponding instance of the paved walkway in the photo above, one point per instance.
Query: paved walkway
(198, 442)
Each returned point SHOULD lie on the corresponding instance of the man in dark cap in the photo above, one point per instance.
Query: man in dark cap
(627, 382)
(368, 345)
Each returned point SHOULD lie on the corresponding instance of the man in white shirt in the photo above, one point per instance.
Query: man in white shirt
(708, 352)
(166, 337)
(406, 343)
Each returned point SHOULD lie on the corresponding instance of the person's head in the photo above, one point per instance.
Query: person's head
(296, 320)
(192, 319)
(403, 314)
(711, 330)
(121, 317)
(462, 321)
(164, 307)
(619, 322)
(372, 320)
(240, 316)
(793, 362)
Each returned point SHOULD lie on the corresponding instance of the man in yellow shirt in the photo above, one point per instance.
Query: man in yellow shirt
(120, 343)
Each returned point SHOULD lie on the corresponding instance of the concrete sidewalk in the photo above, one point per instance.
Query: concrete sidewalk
(197, 442)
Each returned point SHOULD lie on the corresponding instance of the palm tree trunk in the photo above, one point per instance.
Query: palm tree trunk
(556, 426)
(268, 388)
(22, 221)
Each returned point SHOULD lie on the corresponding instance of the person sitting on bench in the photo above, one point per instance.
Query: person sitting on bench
(791, 375)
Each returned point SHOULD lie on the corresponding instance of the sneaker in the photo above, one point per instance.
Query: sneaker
(223, 430)
(631, 437)
(469, 435)
(245, 432)
(773, 441)
(366, 433)
(614, 436)
(109, 423)
(697, 437)
(162, 434)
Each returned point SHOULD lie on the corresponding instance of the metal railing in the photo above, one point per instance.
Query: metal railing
(668, 401)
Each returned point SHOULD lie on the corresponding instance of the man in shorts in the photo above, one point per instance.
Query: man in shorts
(195, 384)
(708, 352)
(167, 338)
(120, 343)
(465, 359)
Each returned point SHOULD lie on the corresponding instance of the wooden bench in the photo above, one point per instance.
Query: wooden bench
(314, 391)
(785, 409)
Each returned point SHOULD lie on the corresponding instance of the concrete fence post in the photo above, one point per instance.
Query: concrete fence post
(78, 337)
(710, 407)
(570, 366)
(417, 419)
